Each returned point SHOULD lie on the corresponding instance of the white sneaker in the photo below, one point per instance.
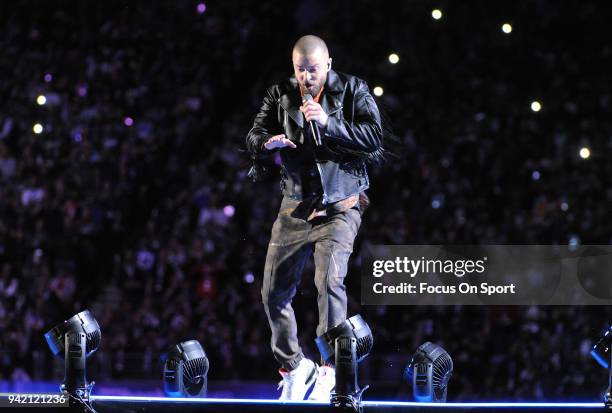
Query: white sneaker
(326, 381)
(296, 382)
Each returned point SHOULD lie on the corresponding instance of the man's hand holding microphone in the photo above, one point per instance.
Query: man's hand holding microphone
(316, 118)
(313, 112)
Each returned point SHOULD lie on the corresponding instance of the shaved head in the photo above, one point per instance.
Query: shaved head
(310, 44)
(311, 62)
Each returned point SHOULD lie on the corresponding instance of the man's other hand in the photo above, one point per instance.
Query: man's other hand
(279, 141)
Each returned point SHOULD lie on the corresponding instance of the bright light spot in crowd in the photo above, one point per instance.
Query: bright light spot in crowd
(536, 106)
(82, 91)
(436, 14)
(393, 58)
(249, 278)
(507, 28)
(585, 153)
(229, 210)
(535, 175)
(378, 91)
(38, 128)
(574, 241)
(41, 100)
(127, 121)
(564, 206)
(437, 201)
(78, 137)
(48, 77)
(201, 8)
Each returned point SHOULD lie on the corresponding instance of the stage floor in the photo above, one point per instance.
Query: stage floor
(152, 404)
(118, 404)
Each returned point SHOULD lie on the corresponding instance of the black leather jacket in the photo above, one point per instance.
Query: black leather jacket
(337, 169)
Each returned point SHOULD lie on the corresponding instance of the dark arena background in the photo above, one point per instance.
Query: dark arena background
(124, 188)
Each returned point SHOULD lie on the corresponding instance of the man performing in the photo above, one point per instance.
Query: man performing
(326, 125)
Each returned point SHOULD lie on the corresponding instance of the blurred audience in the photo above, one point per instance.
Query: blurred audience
(133, 201)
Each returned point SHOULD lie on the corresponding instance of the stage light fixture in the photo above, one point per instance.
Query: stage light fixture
(602, 354)
(393, 58)
(436, 14)
(378, 91)
(41, 100)
(37, 128)
(507, 28)
(536, 106)
(74, 341)
(429, 371)
(185, 370)
(345, 346)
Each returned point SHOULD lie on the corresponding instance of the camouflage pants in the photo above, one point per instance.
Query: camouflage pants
(294, 239)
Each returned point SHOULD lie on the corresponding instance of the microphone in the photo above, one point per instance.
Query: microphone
(314, 129)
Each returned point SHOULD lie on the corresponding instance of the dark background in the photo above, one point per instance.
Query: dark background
(156, 229)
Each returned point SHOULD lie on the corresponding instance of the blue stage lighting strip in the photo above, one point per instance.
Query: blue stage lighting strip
(364, 403)
(486, 404)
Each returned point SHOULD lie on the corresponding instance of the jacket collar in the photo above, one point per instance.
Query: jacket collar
(331, 99)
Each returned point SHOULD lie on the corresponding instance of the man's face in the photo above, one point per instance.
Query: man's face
(311, 70)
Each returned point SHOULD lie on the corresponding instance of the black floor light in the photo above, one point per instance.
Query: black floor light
(73, 341)
(186, 370)
(429, 372)
(345, 346)
(601, 352)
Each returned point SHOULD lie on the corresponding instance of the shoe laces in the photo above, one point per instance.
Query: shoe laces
(324, 376)
(284, 373)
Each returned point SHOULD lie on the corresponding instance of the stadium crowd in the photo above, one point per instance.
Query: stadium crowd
(134, 202)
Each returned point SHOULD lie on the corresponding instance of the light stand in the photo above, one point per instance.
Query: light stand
(346, 345)
(429, 371)
(73, 341)
(186, 370)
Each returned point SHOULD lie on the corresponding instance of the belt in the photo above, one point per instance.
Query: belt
(337, 207)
